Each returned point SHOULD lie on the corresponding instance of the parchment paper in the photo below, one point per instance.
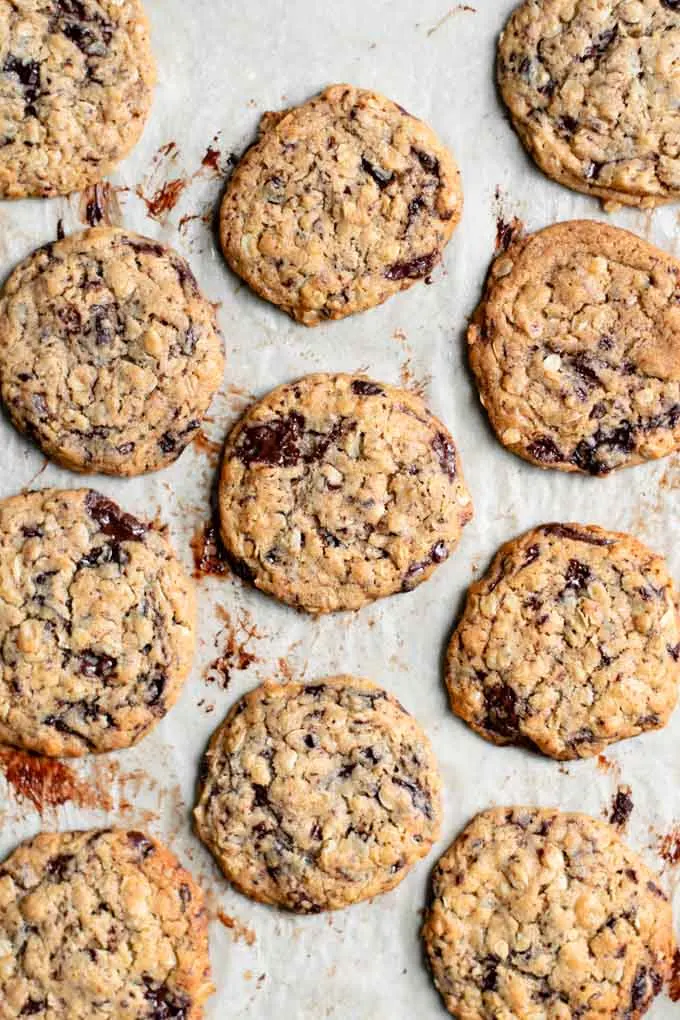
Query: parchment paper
(221, 64)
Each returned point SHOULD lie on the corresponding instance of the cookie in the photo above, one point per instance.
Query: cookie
(315, 796)
(76, 85)
(536, 913)
(341, 203)
(575, 347)
(96, 925)
(109, 353)
(569, 643)
(97, 621)
(336, 490)
(591, 86)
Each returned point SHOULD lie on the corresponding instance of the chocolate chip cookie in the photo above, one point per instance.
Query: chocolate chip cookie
(575, 347)
(97, 925)
(76, 84)
(319, 795)
(109, 353)
(592, 89)
(569, 643)
(97, 622)
(341, 203)
(536, 913)
(337, 490)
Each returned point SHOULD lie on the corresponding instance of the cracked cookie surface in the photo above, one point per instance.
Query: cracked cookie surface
(101, 924)
(569, 643)
(97, 621)
(109, 353)
(592, 88)
(536, 913)
(341, 203)
(337, 490)
(319, 795)
(76, 85)
(575, 347)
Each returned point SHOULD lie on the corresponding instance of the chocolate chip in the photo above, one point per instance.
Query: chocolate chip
(548, 90)
(58, 867)
(261, 798)
(446, 454)
(568, 124)
(420, 798)
(310, 740)
(28, 73)
(91, 664)
(501, 710)
(276, 443)
(70, 318)
(111, 519)
(32, 531)
(167, 442)
(141, 843)
(439, 552)
(533, 553)
(365, 388)
(34, 1006)
(640, 993)
(144, 247)
(601, 44)
(155, 685)
(165, 1003)
(545, 450)
(577, 576)
(566, 531)
(674, 651)
(103, 323)
(490, 978)
(413, 269)
(381, 177)
(591, 454)
(428, 162)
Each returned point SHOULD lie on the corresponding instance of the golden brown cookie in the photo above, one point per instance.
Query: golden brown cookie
(337, 490)
(575, 347)
(592, 89)
(109, 353)
(97, 622)
(101, 925)
(340, 203)
(536, 913)
(569, 643)
(76, 84)
(315, 796)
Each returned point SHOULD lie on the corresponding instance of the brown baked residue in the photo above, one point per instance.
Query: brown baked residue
(507, 231)
(210, 447)
(236, 656)
(669, 846)
(237, 928)
(622, 807)
(99, 204)
(48, 783)
(210, 556)
(164, 199)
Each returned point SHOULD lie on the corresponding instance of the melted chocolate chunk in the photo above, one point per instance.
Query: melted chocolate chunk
(545, 450)
(91, 664)
(565, 531)
(601, 44)
(111, 519)
(577, 577)
(420, 798)
(381, 177)
(365, 388)
(276, 442)
(640, 992)
(144, 247)
(34, 1006)
(622, 807)
(414, 269)
(533, 553)
(164, 1003)
(446, 454)
(28, 73)
(428, 162)
(490, 978)
(112, 552)
(591, 454)
(568, 124)
(143, 845)
(155, 685)
(58, 867)
(501, 710)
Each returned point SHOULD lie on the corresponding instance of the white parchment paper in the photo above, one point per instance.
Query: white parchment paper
(221, 64)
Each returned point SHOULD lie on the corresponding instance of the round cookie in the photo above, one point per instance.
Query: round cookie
(575, 347)
(340, 203)
(109, 353)
(336, 491)
(317, 796)
(97, 621)
(569, 643)
(95, 925)
(592, 89)
(536, 913)
(76, 84)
